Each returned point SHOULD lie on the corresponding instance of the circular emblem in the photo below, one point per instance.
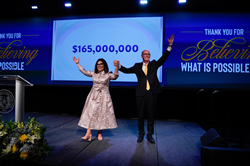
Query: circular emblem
(7, 101)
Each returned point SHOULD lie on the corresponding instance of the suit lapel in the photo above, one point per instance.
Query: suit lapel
(140, 67)
(149, 67)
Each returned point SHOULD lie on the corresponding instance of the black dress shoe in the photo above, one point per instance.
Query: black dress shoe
(151, 140)
(140, 139)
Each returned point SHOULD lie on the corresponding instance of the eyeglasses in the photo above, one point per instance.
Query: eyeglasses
(146, 54)
(99, 64)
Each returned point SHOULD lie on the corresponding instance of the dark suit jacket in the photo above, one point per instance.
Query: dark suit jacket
(151, 76)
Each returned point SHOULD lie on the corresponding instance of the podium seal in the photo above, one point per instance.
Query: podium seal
(7, 101)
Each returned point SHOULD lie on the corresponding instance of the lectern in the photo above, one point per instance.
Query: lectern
(19, 83)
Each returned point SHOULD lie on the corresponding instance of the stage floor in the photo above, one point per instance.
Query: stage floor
(177, 143)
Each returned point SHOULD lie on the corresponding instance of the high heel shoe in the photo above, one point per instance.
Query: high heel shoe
(87, 137)
(99, 138)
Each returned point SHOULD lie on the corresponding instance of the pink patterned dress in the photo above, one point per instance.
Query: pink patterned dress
(98, 111)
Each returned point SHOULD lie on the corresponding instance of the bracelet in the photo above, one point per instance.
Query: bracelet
(77, 63)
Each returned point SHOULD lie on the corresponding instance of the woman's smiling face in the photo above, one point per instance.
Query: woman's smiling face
(100, 66)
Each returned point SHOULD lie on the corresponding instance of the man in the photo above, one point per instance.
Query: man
(147, 88)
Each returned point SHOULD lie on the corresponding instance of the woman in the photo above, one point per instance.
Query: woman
(98, 112)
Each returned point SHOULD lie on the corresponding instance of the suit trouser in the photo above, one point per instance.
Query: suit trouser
(146, 104)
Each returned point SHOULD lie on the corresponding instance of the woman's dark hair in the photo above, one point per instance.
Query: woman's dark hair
(106, 68)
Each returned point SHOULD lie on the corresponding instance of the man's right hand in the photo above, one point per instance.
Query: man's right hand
(116, 63)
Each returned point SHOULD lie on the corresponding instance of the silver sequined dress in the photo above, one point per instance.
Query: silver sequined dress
(98, 111)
